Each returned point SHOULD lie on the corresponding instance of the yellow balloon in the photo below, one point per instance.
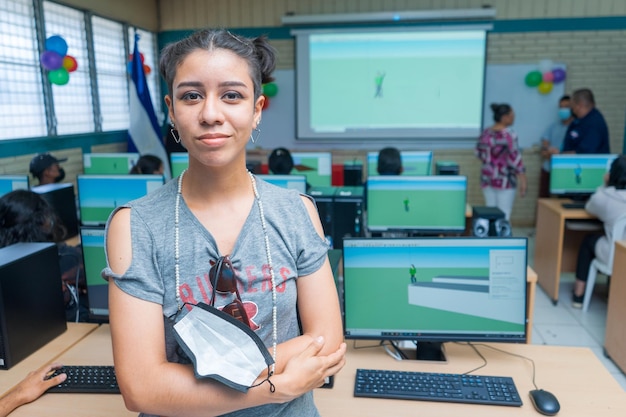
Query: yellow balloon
(544, 87)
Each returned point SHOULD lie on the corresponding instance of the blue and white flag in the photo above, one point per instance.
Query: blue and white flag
(144, 132)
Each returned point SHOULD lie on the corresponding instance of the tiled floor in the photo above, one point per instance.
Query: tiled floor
(563, 325)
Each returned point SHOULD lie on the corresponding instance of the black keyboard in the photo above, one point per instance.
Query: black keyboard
(87, 379)
(576, 205)
(427, 386)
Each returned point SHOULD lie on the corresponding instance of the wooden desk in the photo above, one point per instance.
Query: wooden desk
(96, 349)
(615, 335)
(556, 247)
(48, 353)
(567, 372)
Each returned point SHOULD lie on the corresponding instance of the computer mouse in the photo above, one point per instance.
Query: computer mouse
(545, 402)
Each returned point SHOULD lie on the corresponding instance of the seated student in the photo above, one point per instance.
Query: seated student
(46, 168)
(608, 203)
(389, 162)
(25, 216)
(33, 386)
(148, 165)
(280, 162)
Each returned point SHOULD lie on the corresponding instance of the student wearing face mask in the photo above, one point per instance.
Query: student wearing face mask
(46, 168)
(588, 132)
(552, 141)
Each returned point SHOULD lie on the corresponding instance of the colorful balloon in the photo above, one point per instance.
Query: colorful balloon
(69, 63)
(270, 89)
(558, 75)
(146, 69)
(51, 60)
(533, 78)
(56, 44)
(544, 88)
(547, 77)
(59, 76)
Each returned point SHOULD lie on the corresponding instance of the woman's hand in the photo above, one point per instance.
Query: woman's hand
(307, 370)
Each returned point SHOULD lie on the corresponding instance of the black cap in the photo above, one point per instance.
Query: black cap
(42, 161)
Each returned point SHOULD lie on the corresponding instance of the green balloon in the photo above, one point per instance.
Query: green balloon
(59, 76)
(533, 78)
(270, 89)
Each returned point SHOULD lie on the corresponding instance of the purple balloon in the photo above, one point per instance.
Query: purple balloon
(558, 75)
(51, 60)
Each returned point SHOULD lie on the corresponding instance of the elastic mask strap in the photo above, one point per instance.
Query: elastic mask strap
(272, 386)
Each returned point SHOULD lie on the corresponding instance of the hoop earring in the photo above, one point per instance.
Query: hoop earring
(253, 137)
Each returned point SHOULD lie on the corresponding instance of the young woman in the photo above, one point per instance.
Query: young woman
(162, 249)
(607, 203)
(503, 169)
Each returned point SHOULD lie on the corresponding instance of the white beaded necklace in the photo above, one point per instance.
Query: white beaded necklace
(267, 252)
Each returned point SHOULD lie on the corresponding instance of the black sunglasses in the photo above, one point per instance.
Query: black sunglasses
(222, 277)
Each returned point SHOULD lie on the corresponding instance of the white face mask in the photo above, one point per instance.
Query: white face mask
(222, 347)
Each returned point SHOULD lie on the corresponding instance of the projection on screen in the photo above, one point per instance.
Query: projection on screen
(390, 84)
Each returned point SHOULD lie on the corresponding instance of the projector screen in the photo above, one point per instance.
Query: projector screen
(390, 83)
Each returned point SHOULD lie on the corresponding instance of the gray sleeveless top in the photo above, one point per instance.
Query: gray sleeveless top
(296, 250)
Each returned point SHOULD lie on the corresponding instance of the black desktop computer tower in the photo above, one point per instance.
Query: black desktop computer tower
(341, 212)
(489, 221)
(347, 214)
(446, 168)
(323, 197)
(352, 175)
(63, 200)
(32, 311)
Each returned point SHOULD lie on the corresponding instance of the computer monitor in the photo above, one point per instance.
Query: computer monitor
(316, 166)
(98, 195)
(296, 182)
(413, 163)
(10, 183)
(94, 260)
(109, 163)
(435, 290)
(422, 205)
(577, 176)
(179, 161)
(62, 199)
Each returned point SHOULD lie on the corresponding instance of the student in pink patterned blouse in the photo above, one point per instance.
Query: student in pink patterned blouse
(503, 169)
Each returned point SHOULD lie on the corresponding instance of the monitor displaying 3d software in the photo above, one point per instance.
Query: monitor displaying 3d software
(98, 195)
(10, 183)
(179, 161)
(296, 182)
(428, 204)
(578, 175)
(109, 163)
(94, 259)
(316, 166)
(413, 163)
(408, 289)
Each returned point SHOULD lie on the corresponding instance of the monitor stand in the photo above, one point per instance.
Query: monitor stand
(421, 351)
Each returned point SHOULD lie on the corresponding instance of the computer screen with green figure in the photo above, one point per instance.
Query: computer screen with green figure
(423, 205)
(578, 175)
(109, 163)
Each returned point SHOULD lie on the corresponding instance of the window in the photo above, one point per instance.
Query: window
(96, 96)
(73, 106)
(22, 110)
(111, 60)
